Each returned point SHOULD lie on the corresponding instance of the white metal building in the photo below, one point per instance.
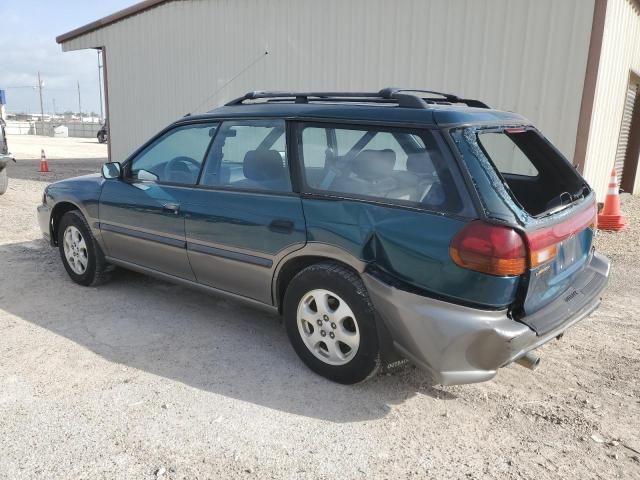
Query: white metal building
(570, 66)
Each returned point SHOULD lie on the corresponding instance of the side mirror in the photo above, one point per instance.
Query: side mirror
(112, 170)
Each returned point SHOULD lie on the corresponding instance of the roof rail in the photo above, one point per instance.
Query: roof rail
(405, 94)
(403, 97)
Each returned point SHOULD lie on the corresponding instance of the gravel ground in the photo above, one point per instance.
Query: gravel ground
(67, 157)
(144, 379)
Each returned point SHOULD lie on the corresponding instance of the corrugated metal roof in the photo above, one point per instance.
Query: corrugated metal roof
(109, 19)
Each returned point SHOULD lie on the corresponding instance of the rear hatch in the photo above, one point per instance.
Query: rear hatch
(524, 181)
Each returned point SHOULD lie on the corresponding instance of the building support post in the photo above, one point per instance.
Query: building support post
(41, 103)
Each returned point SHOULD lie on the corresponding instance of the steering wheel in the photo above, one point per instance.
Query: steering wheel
(178, 170)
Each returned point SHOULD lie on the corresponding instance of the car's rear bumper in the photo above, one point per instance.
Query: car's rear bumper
(460, 344)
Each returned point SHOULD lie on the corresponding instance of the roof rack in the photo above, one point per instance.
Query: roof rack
(403, 97)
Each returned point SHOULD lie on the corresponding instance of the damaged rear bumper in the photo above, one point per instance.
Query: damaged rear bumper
(459, 344)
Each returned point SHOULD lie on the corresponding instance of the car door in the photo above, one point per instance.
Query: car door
(244, 215)
(141, 220)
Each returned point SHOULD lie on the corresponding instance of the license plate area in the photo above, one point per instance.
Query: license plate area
(569, 251)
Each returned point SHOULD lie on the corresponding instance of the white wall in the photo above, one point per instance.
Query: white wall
(80, 130)
(514, 54)
(620, 54)
(20, 128)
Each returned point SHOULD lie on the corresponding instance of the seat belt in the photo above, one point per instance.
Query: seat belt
(349, 156)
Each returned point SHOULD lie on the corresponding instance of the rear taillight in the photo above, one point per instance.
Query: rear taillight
(503, 251)
(543, 243)
(491, 249)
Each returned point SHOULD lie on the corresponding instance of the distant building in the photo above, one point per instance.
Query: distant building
(571, 66)
(38, 117)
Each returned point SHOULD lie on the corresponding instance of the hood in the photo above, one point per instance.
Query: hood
(92, 179)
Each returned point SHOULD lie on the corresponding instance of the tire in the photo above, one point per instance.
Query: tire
(314, 303)
(76, 254)
(4, 181)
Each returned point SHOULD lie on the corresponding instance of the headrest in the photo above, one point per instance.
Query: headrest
(263, 165)
(423, 163)
(374, 165)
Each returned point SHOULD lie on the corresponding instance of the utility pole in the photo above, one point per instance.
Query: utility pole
(40, 86)
(100, 84)
(79, 102)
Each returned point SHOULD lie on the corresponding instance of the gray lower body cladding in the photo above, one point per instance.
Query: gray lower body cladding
(459, 344)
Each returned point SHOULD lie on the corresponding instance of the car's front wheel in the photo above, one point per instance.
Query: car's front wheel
(81, 255)
(330, 322)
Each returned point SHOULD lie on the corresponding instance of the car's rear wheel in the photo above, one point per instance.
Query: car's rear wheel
(4, 181)
(81, 255)
(330, 323)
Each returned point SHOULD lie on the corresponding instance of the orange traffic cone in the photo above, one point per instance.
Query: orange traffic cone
(611, 217)
(44, 166)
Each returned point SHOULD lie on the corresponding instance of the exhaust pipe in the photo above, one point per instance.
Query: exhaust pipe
(529, 361)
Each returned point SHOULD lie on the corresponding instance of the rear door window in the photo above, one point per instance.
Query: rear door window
(249, 155)
(395, 165)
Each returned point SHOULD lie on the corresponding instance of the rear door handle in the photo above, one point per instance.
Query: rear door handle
(171, 208)
(281, 225)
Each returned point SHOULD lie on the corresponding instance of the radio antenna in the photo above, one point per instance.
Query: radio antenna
(253, 62)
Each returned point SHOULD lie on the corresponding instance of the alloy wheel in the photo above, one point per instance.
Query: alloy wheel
(328, 327)
(75, 250)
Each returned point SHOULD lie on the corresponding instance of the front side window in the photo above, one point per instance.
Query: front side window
(249, 154)
(397, 165)
(176, 156)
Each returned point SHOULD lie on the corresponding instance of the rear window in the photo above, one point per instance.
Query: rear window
(537, 176)
(506, 155)
(399, 166)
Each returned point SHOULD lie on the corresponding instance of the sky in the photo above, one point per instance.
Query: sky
(28, 30)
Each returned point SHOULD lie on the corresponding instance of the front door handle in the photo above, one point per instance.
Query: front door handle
(171, 208)
(281, 225)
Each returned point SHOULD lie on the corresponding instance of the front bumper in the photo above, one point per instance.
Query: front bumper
(44, 220)
(458, 344)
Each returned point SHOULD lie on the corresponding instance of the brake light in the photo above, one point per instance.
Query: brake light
(502, 251)
(491, 249)
(543, 243)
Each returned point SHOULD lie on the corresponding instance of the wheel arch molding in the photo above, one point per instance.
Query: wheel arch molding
(58, 210)
(310, 254)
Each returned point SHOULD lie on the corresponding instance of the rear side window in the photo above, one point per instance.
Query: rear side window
(397, 165)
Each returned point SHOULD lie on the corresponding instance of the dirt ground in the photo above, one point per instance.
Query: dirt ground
(67, 157)
(143, 379)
